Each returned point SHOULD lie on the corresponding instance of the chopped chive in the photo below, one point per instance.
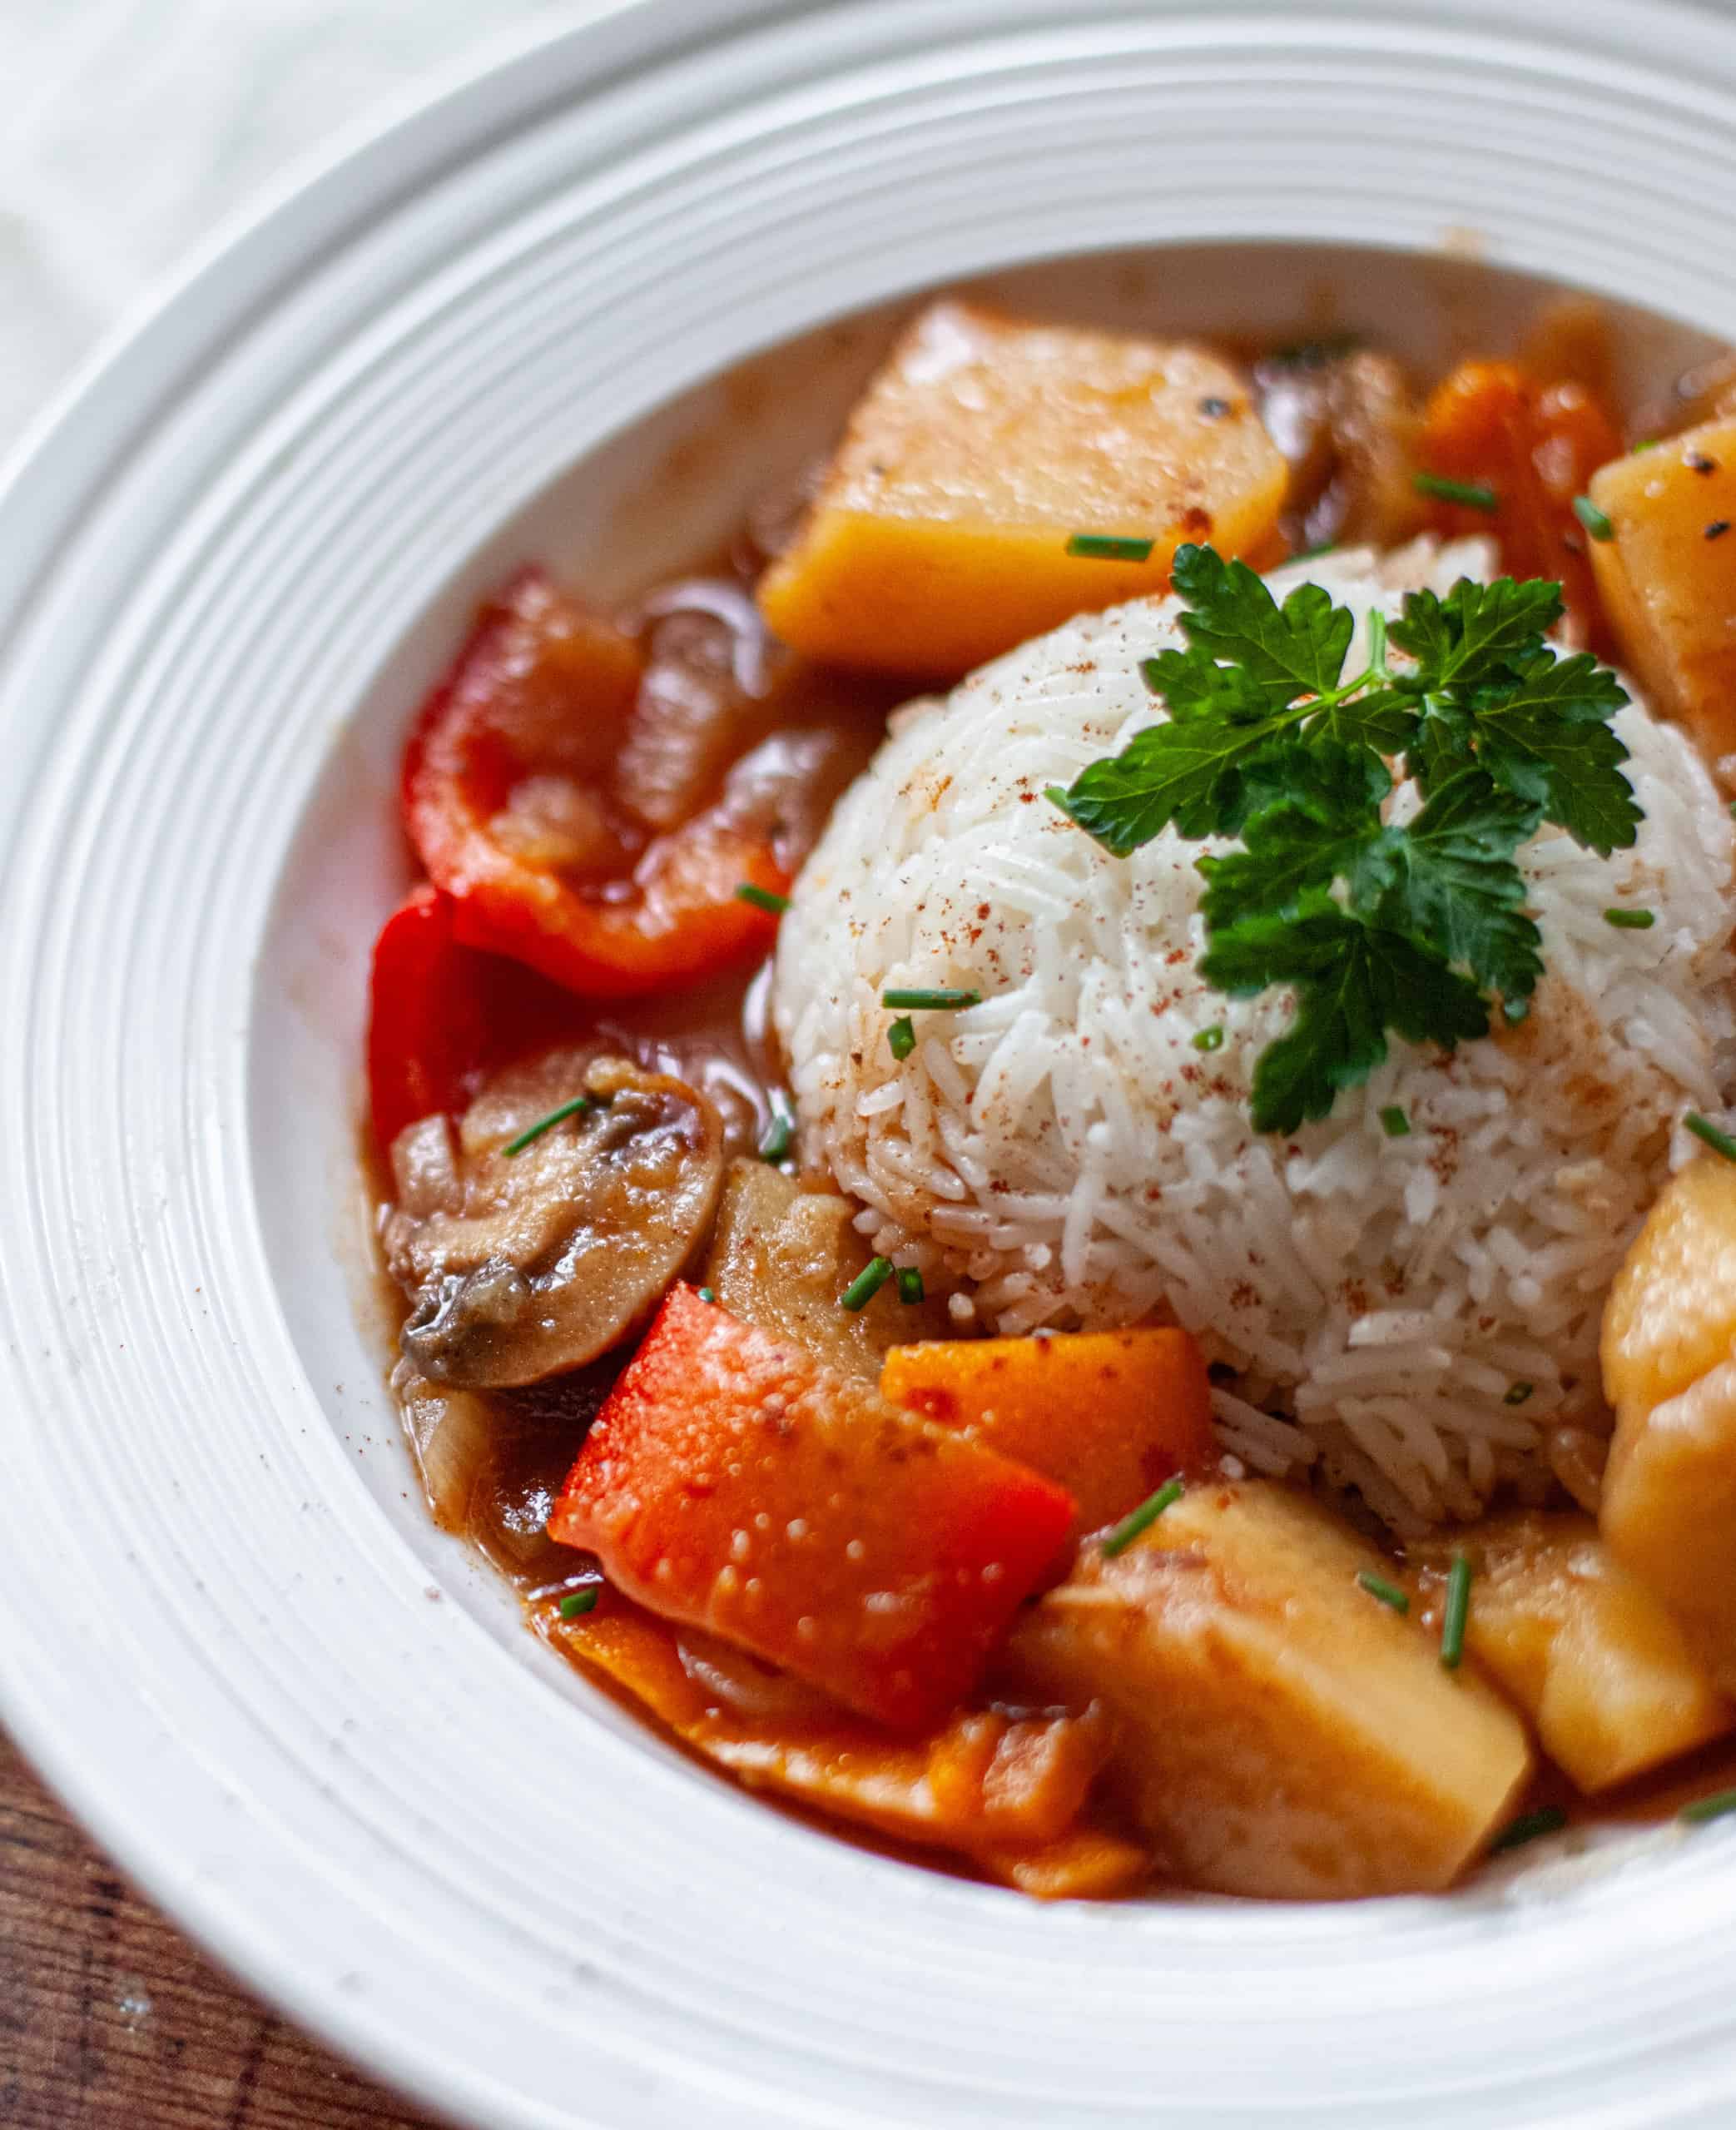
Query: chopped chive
(1388, 1593)
(1209, 1039)
(909, 1284)
(1105, 546)
(1546, 1819)
(1473, 495)
(1518, 1394)
(1394, 1122)
(1143, 1518)
(1708, 1134)
(940, 1001)
(901, 1037)
(578, 1602)
(576, 1108)
(1716, 529)
(1720, 1804)
(776, 1146)
(1645, 443)
(866, 1284)
(708, 1294)
(1313, 553)
(762, 898)
(1631, 920)
(1596, 522)
(1458, 1610)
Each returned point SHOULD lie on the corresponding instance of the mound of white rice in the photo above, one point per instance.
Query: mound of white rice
(1066, 1152)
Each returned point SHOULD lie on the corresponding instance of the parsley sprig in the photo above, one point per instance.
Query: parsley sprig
(1414, 928)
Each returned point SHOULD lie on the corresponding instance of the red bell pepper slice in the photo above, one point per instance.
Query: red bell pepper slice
(1536, 446)
(442, 1017)
(732, 1482)
(527, 728)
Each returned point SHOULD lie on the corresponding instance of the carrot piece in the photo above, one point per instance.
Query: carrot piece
(733, 1483)
(1109, 1415)
(1535, 444)
(1086, 1864)
(982, 1781)
(509, 797)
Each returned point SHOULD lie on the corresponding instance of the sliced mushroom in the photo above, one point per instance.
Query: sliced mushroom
(1346, 421)
(522, 1265)
(781, 1256)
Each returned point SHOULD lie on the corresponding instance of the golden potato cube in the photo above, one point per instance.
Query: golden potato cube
(938, 537)
(1669, 1510)
(1668, 577)
(1671, 1315)
(1281, 1732)
(1586, 1649)
(781, 1256)
(1668, 1507)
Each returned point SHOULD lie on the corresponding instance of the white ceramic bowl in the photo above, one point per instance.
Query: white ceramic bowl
(227, 1632)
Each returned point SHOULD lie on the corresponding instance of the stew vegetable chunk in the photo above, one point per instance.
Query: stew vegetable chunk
(576, 1189)
(1667, 576)
(1280, 1732)
(1586, 1649)
(1108, 1415)
(510, 799)
(941, 534)
(1669, 1369)
(732, 1482)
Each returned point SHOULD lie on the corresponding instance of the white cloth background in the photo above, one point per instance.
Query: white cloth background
(130, 129)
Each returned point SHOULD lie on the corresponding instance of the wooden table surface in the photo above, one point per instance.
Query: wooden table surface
(109, 2019)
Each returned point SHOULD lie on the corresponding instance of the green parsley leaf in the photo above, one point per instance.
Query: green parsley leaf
(1193, 684)
(1297, 647)
(1353, 981)
(1334, 780)
(1177, 773)
(1453, 881)
(1478, 632)
(1383, 719)
(1285, 862)
(1546, 739)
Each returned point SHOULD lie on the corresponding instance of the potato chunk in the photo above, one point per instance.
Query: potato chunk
(1671, 1315)
(781, 1256)
(939, 536)
(1280, 1732)
(1587, 1650)
(1667, 578)
(1669, 1369)
(1669, 1510)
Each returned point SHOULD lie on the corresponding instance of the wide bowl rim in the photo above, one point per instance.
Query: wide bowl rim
(82, 448)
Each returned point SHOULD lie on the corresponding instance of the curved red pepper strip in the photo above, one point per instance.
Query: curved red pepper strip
(542, 689)
(442, 1015)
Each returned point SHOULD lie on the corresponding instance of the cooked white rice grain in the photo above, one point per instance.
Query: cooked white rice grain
(1066, 1148)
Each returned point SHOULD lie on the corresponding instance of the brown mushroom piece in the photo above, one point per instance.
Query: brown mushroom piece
(1346, 420)
(522, 1265)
